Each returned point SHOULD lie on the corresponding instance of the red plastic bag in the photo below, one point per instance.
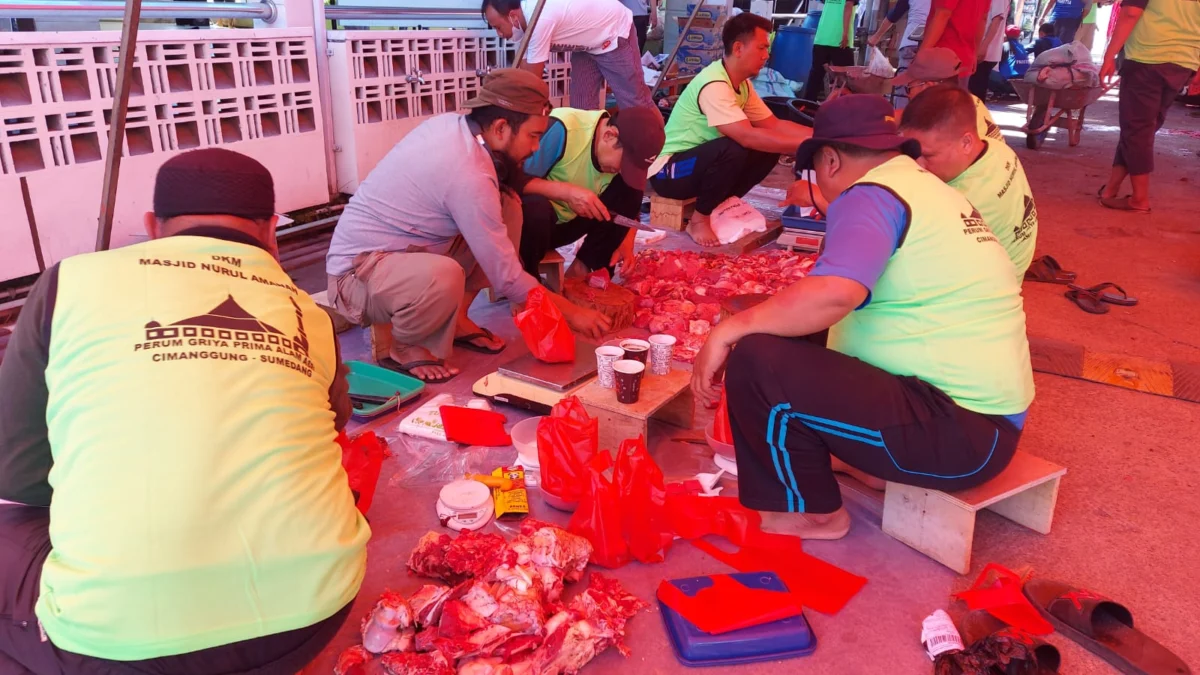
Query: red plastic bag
(567, 440)
(362, 458)
(474, 427)
(545, 330)
(998, 590)
(644, 521)
(721, 430)
(598, 518)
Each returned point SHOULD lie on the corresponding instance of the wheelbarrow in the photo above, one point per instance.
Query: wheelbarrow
(856, 80)
(1068, 105)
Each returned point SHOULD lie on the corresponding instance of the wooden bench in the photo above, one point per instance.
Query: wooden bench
(942, 525)
(550, 268)
(670, 214)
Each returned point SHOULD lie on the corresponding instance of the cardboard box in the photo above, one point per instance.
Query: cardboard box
(700, 39)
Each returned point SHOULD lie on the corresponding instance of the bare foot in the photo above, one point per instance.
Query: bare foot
(825, 526)
(465, 326)
(700, 230)
(403, 354)
(862, 476)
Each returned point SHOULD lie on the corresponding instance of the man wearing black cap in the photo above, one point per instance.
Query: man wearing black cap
(589, 166)
(924, 377)
(429, 228)
(172, 499)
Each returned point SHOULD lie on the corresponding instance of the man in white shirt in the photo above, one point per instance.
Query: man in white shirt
(990, 49)
(600, 36)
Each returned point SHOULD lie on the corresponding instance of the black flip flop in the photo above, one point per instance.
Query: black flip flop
(1120, 204)
(1120, 298)
(465, 342)
(406, 368)
(993, 646)
(1087, 301)
(1103, 627)
(1047, 270)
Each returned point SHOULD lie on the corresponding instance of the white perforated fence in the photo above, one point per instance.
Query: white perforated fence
(396, 79)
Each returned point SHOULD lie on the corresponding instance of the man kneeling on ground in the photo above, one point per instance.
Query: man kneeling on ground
(430, 227)
(924, 377)
(588, 166)
(722, 140)
(167, 421)
(941, 66)
(986, 171)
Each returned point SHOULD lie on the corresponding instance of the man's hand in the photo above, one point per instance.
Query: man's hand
(874, 40)
(845, 41)
(1108, 70)
(709, 367)
(624, 256)
(587, 322)
(586, 203)
(653, 18)
(800, 193)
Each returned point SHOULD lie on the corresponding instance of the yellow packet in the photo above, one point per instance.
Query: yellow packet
(511, 504)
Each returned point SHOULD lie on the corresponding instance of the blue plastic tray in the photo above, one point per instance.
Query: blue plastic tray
(791, 218)
(784, 639)
(373, 380)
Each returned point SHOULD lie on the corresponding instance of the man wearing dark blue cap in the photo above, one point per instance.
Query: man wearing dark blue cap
(924, 376)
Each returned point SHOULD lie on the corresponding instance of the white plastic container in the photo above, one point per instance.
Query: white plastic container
(465, 505)
(524, 436)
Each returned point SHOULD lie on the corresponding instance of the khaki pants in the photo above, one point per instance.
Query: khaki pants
(1086, 34)
(420, 291)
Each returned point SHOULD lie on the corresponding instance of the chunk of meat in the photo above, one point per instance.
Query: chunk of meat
(431, 663)
(427, 604)
(549, 546)
(479, 598)
(455, 560)
(352, 661)
(389, 626)
(699, 327)
(520, 612)
(568, 648)
(428, 558)
(459, 620)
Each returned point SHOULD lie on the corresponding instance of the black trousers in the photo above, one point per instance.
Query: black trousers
(814, 89)
(793, 403)
(713, 172)
(641, 26)
(978, 84)
(1147, 92)
(1065, 29)
(541, 232)
(24, 545)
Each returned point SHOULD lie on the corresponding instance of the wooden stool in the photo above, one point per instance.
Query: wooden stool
(670, 214)
(381, 340)
(942, 525)
(551, 268)
(663, 397)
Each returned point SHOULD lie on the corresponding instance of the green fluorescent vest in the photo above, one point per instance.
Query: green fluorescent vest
(199, 496)
(687, 126)
(576, 166)
(947, 309)
(997, 186)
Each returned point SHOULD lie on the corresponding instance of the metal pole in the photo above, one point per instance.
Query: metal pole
(116, 133)
(520, 57)
(671, 59)
(325, 93)
(108, 9)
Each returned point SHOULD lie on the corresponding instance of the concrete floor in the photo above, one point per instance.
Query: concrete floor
(1126, 516)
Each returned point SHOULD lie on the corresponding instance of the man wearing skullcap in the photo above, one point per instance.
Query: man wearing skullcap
(429, 228)
(172, 498)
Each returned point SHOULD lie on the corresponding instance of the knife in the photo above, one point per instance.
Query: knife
(630, 222)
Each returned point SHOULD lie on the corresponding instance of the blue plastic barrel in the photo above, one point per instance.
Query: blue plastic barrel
(791, 52)
(812, 20)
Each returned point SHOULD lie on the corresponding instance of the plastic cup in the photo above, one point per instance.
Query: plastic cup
(628, 375)
(606, 356)
(662, 349)
(636, 350)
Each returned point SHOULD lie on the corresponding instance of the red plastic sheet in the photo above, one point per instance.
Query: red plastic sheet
(362, 458)
(545, 329)
(998, 590)
(721, 430)
(728, 605)
(567, 440)
(474, 427)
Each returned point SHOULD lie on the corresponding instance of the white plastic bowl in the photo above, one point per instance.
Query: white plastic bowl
(723, 449)
(524, 436)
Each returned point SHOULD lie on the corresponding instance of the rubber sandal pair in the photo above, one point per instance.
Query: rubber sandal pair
(1117, 203)
(1047, 270)
(995, 648)
(407, 368)
(1096, 299)
(465, 341)
(1103, 627)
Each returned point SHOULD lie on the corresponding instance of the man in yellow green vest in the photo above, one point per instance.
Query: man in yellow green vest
(924, 375)
(174, 498)
(1161, 39)
(832, 45)
(722, 140)
(941, 66)
(986, 171)
(589, 166)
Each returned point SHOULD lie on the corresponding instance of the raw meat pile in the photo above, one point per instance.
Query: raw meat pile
(503, 612)
(680, 293)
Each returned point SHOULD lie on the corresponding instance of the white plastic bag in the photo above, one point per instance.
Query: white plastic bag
(734, 219)
(878, 64)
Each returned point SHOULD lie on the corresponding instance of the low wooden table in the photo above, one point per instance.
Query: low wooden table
(664, 397)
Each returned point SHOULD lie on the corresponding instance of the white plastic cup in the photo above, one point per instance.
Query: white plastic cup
(662, 350)
(606, 356)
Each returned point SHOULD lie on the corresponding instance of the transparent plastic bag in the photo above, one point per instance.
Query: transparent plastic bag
(878, 64)
(420, 462)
